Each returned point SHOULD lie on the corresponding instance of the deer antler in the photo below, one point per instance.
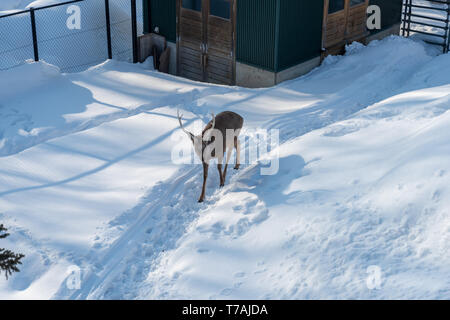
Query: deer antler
(181, 124)
(209, 132)
(213, 120)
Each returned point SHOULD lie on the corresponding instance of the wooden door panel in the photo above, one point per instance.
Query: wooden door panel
(190, 73)
(217, 64)
(191, 14)
(213, 78)
(357, 18)
(220, 24)
(220, 49)
(191, 26)
(190, 57)
(205, 43)
(219, 55)
(335, 28)
(220, 65)
(189, 43)
(345, 25)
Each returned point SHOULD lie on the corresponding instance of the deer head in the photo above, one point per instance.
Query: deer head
(199, 141)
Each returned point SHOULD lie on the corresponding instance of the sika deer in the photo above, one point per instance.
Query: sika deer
(224, 127)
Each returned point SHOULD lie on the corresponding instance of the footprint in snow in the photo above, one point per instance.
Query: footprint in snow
(226, 292)
(436, 196)
(238, 208)
(441, 173)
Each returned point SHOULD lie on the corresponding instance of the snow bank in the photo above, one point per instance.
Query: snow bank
(86, 180)
(29, 114)
(21, 81)
(368, 192)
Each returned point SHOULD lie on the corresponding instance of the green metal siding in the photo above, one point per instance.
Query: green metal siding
(163, 15)
(146, 11)
(256, 33)
(300, 32)
(391, 12)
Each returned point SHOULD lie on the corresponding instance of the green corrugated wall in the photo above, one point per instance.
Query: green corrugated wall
(255, 33)
(300, 32)
(163, 14)
(391, 12)
(278, 34)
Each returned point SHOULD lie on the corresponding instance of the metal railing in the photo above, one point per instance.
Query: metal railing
(435, 15)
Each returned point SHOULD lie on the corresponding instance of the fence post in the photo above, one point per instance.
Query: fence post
(447, 40)
(134, 30)
(409, 18)
(108, 28)
(34, 34)
(405, 15)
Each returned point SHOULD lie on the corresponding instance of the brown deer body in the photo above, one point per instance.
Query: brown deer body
(219, 136)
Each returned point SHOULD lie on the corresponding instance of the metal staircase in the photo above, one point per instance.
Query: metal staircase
(430, 19)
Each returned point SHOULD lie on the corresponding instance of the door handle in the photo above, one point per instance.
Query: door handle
(204, 60)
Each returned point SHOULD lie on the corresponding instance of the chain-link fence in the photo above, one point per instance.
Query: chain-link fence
(73, 35)
(16, 41)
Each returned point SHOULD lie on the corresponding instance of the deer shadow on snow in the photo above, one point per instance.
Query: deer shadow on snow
(251, 196)
(272, 189)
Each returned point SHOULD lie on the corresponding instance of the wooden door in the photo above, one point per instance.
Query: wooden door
(344, 22)
(356, 20)
(190, 40)
(220, 47)
(206, 40)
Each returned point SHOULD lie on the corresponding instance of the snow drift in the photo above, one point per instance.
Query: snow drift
(363, 183)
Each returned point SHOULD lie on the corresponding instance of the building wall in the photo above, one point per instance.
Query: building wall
(300, 32)
(391, 13)
(279, 36)
(272, 35)
(255, 33)
(164, 16)
(255, 28)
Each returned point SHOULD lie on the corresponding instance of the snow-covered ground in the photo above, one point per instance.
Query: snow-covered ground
(86, 179)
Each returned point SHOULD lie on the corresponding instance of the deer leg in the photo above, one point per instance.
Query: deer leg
(237, 146)
(219, 167)
(229, 151)
(205, 176)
